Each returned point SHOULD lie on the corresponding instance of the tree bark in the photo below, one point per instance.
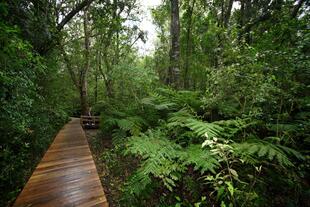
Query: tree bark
(72, 13)
(296, 8)
(83, 77)
(228, 13)
(246, 27)
(174, 70)
(98, 61)
(72, 74)
(188, 44)
(106, 77)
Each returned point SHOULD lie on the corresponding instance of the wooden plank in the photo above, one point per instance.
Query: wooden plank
(66, 175)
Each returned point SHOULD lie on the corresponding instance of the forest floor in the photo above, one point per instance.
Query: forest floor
(110, 182)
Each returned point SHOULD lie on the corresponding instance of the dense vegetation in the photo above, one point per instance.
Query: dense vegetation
(218, 115)
(34, 101)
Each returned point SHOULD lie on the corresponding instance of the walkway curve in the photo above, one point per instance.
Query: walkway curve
(66, 176)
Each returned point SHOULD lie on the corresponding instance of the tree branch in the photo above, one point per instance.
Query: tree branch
(69, 67)
(296, 8)
(266, 15)
(72, 13)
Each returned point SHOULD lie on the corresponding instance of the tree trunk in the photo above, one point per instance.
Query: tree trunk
(247, 16)
(221, 22)
(241, 21)
(84, 99)
(188, 44)
(228, 13)
(84, 72)
(174, 70)
(296, 8)
(98, 60)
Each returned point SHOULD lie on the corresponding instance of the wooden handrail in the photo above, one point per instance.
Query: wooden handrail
(97, 117)
(90, 122)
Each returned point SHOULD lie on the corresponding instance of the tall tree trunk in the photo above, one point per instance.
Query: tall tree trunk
(106, 77)
(228, 13)
(84, 72)
(98, 60)
(297, 7)
(241, 21)
(174, 70)
(247, 16)
(188, 44)
(221, 22)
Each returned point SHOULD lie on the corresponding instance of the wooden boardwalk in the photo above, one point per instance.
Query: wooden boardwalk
(66, 176)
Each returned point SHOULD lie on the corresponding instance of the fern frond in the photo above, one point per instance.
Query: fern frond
(110, 121)
(150, 144)
(137, 183)
(179, 118)
(125, 124)
(234, 126)
(261, 148)
(203, 128)
(158, 104)
(148, 101)
(292, 152)
(159, 156)
(132, 124)
(202, 159)
(118, 136)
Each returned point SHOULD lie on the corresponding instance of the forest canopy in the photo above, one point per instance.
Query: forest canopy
(217, 115)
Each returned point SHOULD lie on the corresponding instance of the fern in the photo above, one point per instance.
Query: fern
(125, 124)
(118, 136)
(180, 98)
(151, 143)
(291, 152)
(264, 149)
(159, 156)
(203, 128)
(164, 159)
(234, 126)
(224, 128)
(202, 159)
(137, 183)
(168, 99)
(132, 124)
(158, 105)
(179, 118)
(183, 118)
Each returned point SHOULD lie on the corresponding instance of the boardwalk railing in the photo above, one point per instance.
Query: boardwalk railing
(90, 122)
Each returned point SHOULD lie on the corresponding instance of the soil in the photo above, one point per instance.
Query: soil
(98, 145)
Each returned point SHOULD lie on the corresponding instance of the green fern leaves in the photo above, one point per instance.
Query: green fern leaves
(166, 160)
(204, 129)
(200, 158)
(132, 124)
(152, 143)
(264, 149)
(159, 157)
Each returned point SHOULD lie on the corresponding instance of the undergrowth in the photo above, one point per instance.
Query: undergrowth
(188, 159)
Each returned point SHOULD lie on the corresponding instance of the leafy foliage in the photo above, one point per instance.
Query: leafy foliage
(233, 132)
(219, 152)
(31, 108)
(265, 149)
(200, 158)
